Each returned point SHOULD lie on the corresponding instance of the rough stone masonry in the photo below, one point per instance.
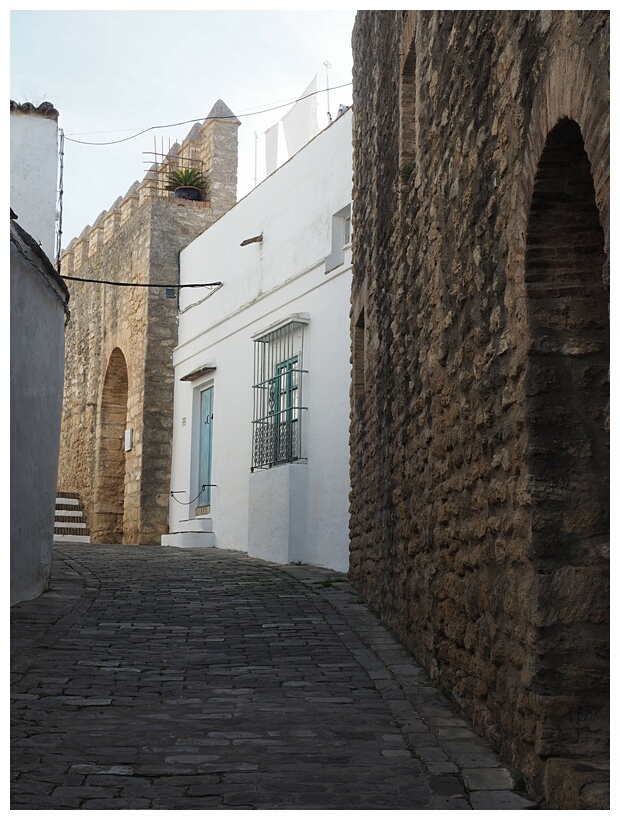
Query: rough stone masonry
(480, 397)
(119, 343)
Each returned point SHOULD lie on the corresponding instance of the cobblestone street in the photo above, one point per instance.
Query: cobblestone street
(159, 678)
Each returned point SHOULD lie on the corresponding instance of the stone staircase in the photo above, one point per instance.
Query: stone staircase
(69, 523)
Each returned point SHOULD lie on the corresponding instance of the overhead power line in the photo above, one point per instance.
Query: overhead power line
(141, 284)
(202, 119)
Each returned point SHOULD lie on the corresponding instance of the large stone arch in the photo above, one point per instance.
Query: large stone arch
(557, 291)
(567, 374)
(109, 488)
(567, 398)
(571, 89)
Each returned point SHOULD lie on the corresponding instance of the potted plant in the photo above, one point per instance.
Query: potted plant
(186, 183)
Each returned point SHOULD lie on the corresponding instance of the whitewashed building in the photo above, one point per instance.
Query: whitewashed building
(38, 312)
(262, 369)
(34, 171)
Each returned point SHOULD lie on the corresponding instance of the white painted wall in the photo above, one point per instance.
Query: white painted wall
(37, 375)
(278, 513)
(34, 173)
(264, 283)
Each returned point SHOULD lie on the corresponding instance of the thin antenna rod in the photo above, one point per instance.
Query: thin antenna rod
(327, 65)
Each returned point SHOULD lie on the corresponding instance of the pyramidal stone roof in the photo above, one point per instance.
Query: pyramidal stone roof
(195, 133)
(221, 111)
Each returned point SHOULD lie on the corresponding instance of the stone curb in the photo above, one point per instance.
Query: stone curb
(444, 742)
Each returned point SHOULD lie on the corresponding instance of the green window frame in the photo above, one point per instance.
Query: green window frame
(278, 390)
(285, 437)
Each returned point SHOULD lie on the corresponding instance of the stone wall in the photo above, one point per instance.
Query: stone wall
(118, 372)
(479, 407)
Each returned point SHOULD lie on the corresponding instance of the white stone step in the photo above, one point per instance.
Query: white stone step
(187, 540)
(195, 525)
(75, 528)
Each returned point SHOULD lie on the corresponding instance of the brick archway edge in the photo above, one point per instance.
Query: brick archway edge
(570, 89)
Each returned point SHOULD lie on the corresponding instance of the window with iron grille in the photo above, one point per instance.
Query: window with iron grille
(278, 390)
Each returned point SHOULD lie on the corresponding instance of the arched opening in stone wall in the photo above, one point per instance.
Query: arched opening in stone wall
(359, 357)
(567, 396)
(109, 497)
(408, 114)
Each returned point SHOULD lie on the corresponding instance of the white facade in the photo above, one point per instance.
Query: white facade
(292, 284)
(34, 172)
(38, 310)
(38, 299)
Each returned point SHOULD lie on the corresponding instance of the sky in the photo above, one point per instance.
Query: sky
(111, 74)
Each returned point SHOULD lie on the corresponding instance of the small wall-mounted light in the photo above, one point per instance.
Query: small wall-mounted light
(128, 439)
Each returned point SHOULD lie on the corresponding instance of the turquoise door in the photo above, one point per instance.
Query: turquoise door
(206, 446)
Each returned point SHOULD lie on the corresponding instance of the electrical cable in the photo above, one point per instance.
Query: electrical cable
(141, 284)
(45, 278)
(203, 119)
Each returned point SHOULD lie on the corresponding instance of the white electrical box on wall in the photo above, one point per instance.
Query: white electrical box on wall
(128, 439)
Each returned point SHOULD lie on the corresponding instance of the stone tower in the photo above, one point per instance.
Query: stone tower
(118, 371)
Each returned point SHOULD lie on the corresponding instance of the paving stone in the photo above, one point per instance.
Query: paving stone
(449, 803)
(454, 733)
(94, 768)
(118, 803)
(431, 754)
(31, 786)
(487, 779)
(447, 785)
(500, 800)
(180, 679)
(116, 781)
(442, 768)
(49, 802)
(469, 755)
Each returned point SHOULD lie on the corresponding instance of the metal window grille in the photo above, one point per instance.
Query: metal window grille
(278, 397)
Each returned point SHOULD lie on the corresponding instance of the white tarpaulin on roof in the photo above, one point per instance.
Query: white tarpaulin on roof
(301, 123)
(271, 149)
